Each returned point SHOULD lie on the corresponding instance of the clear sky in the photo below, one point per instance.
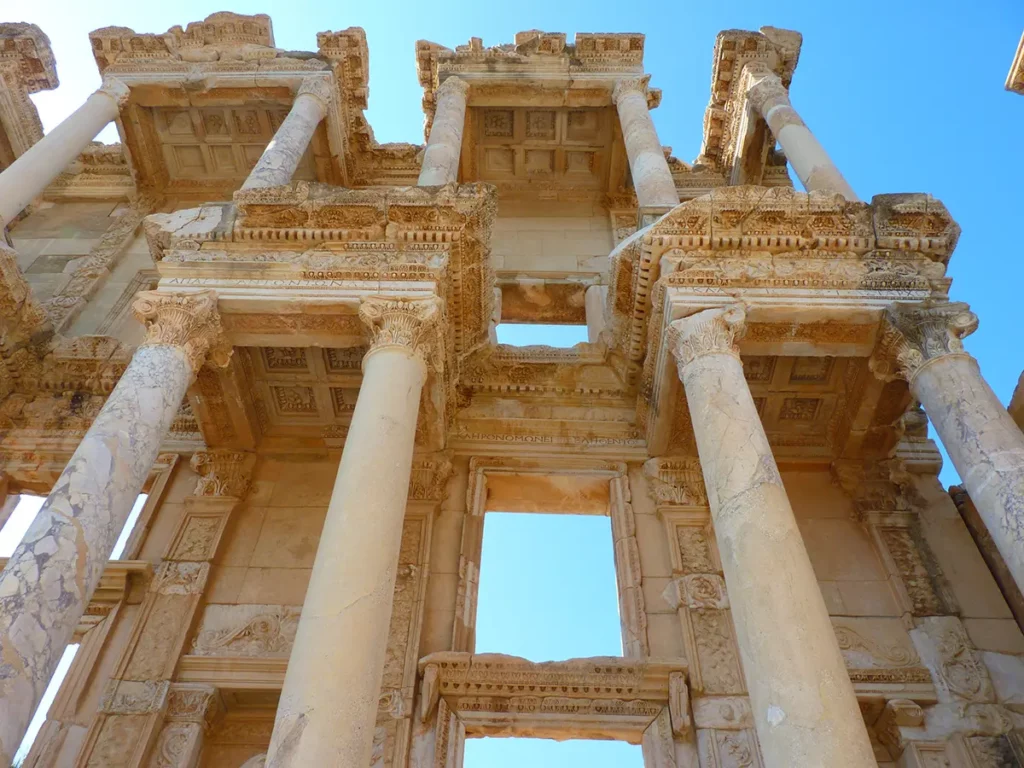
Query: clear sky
(907, 96)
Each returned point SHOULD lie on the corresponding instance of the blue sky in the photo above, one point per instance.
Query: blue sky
(906, 97)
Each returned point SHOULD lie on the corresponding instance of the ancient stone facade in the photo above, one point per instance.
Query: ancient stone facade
(282, 332)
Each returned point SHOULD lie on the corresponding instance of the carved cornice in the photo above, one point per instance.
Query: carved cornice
(915, 334)
(397, 322)
(187, 320)
(1015, 80)
(223, 473)
(775, 50)
(710, 332)
(676, 481)
(27, 47)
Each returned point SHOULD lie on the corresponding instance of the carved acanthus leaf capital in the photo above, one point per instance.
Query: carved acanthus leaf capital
(765, 89)
(709, 332)
(194, 703)
(116, 90)
(915, 334)
(187, 320)
(320, 87)
(453, 85)
(395, 322)
(627, 85)
(223, 473)
(676, 481)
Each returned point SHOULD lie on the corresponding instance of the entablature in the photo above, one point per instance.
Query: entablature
(815, 273)
(26, 66)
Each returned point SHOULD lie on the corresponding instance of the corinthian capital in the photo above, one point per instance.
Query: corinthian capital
(116, 90)
(627, 85)
(452, 85)
(399, 322)
(320, 87)
(186, 320)
(765, 89)
(711, 332)
(222, 473)
(915, 334)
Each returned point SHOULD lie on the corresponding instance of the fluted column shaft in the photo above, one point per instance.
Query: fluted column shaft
(652, 178)
(328, 706)
(444, 147)
(981, 438)
(30, 174)
(53, 573)
(809, 159)
(804, 706)
(279, 161)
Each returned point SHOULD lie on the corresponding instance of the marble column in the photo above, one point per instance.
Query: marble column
(444, 147)
(804, 706)
(328, 707)
(652, 179)
(281, 158)
(923, 341)
(594, 301)
(53, 573)
(30, 174)
(769, 97)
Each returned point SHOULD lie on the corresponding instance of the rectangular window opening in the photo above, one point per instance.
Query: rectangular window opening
(545, 753)
(39, 717)
(547, 587)
(532, 334)
(28, 506)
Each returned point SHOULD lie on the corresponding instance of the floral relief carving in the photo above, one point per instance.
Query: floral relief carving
(881, 654)
(250, 631)
(716, 651)
(222, 473)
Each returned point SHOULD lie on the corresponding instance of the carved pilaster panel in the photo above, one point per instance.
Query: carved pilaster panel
(728, 749)
(949, 654)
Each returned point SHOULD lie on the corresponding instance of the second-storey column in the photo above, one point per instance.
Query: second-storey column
(805, 710)
(54, 572)
(328, 706)
(281, 158)
(444, 147)
(980, 436)
(31, 173)
(809, 159)
(652, 178)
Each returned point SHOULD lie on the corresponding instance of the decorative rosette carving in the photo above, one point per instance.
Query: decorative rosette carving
(710, 332)
(186, 320)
